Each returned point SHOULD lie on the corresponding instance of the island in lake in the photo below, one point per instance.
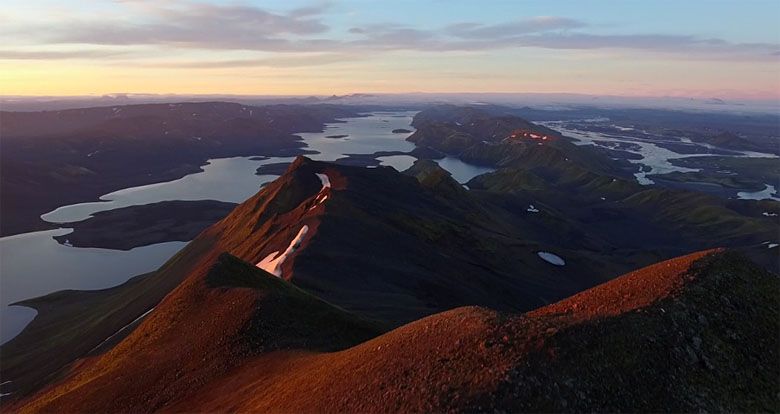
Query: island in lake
(134, 226)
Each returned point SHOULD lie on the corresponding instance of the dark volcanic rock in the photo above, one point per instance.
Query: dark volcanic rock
(734, 142)
(55, 158)
(402, 131)
(129, 227)
(684, 148)
(427, 153)
(367, 160)
(276, 168)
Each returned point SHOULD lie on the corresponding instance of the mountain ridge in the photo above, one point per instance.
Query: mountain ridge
(470, 359)
(396, 247)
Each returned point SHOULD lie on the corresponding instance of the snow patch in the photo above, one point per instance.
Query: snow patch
(273, 262)
(768, 214)
(551, 258)
(324, 179)
(532, 209)
(318, 201)
(323, 194)
(772, 245)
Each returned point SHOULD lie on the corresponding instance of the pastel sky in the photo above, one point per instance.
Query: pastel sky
(727, 49)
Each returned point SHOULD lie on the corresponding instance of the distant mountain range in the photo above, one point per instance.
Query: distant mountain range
(537, 100)
(53, 158)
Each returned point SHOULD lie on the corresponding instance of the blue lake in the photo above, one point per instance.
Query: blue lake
(35, 264)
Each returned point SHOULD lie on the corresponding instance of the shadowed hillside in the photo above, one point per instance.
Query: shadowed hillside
(54, 158)
(697, 332)
(381, 245)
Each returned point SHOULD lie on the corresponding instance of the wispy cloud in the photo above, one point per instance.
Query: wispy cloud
(181, 24)
(284, 61)
(196, 25)
(59, 55)
(513, 28)
(471, 37)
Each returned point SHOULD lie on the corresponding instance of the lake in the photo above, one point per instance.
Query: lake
(35, 264)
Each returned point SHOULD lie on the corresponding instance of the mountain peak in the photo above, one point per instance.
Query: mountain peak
(432, 175)
(300, 161)
(631, 291)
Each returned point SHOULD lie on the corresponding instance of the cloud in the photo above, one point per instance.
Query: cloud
(178, 24)
(514, 28)
(200, 25)
(392, 37)
(689, 46)
(272, 62)
(553, 33)
(58, 55)
(311, 11)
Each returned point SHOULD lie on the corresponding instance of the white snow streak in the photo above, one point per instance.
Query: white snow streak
(324, 179)
(273, 262)
(323, 194)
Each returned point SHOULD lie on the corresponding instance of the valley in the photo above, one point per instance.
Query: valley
(409, 225)
(125, 219)
(365, 207)
(55, 158)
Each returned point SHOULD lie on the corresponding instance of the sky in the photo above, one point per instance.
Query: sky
(701, 49)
